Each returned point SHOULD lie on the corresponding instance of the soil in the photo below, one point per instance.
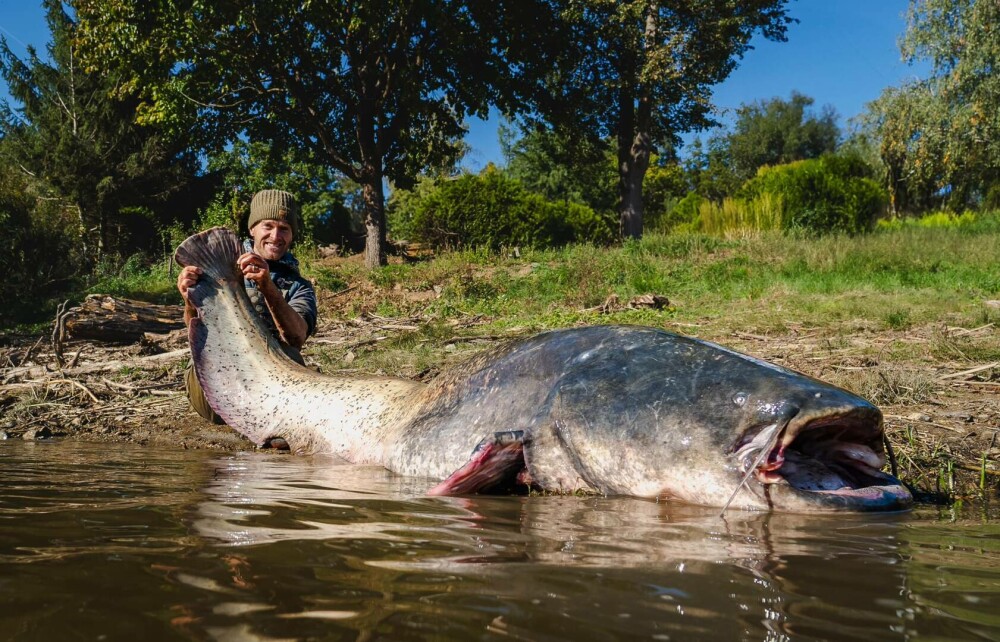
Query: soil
(942, 414)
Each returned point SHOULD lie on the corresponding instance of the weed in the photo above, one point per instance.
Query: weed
(328, 279)
(898, 319)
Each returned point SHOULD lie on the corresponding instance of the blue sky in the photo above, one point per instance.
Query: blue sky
(841, 52)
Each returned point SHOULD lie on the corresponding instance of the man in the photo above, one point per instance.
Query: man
(285, 301)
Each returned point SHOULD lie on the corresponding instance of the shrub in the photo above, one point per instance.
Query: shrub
(982, 222)
(828, 194)
(682, 213)
(494, 211)
(44, 238)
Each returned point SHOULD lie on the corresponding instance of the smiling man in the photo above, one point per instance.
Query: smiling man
(285, 300)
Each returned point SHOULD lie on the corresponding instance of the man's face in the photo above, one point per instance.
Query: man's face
(271, 239)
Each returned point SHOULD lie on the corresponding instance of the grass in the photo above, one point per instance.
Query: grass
(893, 279)
(896, 278)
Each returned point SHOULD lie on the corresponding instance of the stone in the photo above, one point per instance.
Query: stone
(35, 434)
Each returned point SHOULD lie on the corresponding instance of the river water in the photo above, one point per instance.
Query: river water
(119, 543)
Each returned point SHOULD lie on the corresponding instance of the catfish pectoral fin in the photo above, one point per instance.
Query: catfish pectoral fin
(495, 461)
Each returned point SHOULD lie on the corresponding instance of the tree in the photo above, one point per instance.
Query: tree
(940, 137)
(771, 132)
(73, 133)
(376, 89)
(910, 125)
(640, 73)
(561, 167)
(777, 131)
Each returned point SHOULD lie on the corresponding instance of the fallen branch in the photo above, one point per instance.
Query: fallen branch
(79, 385)
(970, 371)
(151, 361)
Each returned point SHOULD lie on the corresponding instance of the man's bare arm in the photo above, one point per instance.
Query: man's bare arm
(292, 328)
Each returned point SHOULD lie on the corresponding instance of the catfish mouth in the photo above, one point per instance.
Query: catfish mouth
(830, 462)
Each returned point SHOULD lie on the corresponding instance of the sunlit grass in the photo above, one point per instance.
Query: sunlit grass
(893, 279)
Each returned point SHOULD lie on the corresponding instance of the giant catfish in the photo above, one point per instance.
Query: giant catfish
(616, 410)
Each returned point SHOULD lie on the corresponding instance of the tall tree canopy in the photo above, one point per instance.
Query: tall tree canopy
(778, 131)
(940, 138)
(75, 131)
(641, 72)
(375, 88)
(766, 132)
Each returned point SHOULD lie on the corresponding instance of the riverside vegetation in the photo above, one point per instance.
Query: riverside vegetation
(906, 316)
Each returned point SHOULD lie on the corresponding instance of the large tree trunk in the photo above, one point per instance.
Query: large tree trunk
(634, 141)
(375, 239)
(632, 205)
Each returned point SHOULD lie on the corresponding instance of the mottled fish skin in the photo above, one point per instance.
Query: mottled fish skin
(608, 409)
(258, 390)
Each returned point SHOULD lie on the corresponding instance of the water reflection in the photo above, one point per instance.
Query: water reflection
(611, 565)
(117, 543)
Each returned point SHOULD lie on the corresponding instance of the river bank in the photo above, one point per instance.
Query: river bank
(942, 415)
(906, 318)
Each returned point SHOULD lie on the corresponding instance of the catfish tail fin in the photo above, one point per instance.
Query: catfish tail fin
(215, 251)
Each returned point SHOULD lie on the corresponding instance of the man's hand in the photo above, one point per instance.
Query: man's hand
(185, 280)
(254, 268)
(291, 326)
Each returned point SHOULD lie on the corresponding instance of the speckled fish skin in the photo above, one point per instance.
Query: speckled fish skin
(607, 409)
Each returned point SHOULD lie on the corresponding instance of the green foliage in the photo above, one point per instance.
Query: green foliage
(683, 215)
(612, 71)
(739, 218)
(828, 194)
(663, 189)
(777, 132)
(562, 166)
(374, 89)
(403, 204)
(494, 211)
(940, 137)
(766, 133)
(966, 222)
(41, 253)
(136, 278)
(247, 168)
(75, 130)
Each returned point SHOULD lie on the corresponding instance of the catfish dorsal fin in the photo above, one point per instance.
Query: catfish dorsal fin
(215, 251)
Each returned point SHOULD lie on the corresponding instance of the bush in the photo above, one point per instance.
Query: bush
(966, 222)
(494, 211)
(828, 194)
(44, 253)
(684, 213)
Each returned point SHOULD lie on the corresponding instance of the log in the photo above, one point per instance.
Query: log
(109, 319)
(41, 373)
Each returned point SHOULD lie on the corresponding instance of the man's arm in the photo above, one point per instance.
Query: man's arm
(292, 328)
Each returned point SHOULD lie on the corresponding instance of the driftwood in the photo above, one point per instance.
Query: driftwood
(109, 319)
(44, 374)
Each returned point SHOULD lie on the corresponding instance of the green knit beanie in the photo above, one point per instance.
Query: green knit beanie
(275, 205)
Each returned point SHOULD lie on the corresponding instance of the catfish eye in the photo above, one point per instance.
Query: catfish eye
(740, 398)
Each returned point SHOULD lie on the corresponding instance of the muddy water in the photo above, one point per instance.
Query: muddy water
(118, 543)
